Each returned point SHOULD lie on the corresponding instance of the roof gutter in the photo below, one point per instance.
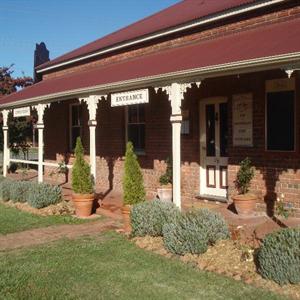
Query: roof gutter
(246, 66)
(202, 21)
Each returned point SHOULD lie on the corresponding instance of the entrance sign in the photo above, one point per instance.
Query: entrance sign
(130, 98)
(22, 112)
(242, 119)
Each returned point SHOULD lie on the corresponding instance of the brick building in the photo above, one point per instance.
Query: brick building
(204, 82)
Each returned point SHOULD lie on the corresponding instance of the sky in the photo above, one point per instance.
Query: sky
(63, 25)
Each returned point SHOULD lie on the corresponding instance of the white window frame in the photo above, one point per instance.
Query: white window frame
(71, 125)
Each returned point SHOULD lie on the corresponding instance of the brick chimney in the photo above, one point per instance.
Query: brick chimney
(41, 55)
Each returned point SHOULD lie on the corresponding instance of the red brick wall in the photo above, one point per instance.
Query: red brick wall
(219, 29)
(276, 173)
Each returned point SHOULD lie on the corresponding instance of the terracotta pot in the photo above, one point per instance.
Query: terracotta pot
(245, 204)
(126, 217)
(165, 193)
(83, 204)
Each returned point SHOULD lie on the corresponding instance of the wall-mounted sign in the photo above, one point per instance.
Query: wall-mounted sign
(242, 120)
(22, 112)
(130, 98)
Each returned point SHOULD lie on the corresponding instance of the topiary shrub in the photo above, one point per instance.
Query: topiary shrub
(193, 231)
(279, 256)
(5, 186)
(40, 195)
(133, 185)
(148, 218)
(244, 176)
(18, 191)
(82, 182)
(167, 177)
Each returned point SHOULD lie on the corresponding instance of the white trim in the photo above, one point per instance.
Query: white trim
(217, 161)
(202, 21)
(244, 66)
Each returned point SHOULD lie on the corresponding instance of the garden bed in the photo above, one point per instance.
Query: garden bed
(226, 257)
(63, 208)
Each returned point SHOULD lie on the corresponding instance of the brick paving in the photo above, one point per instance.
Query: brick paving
(49, 234)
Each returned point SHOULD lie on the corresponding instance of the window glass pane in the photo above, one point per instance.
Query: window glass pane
(75, 134)
(223, 129)
(210, 130)
(141, 110)
(76, 115)
(136, 135)
(132, 114)
(280, 121)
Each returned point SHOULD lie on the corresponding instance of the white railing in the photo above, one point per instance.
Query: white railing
(33, 162)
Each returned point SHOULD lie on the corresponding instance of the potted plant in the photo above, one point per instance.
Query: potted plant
(82, 184)
(133, 185)
(244, 202)
(164, 192)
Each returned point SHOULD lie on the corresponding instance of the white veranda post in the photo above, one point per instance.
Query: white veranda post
(176, 91)
(92, 104)
(40, 108)
(5, 142)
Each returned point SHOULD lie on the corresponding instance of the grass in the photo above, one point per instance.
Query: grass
(110, 267)
(15, 220)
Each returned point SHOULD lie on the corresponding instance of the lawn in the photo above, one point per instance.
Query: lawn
(14, 220)
(108, 266)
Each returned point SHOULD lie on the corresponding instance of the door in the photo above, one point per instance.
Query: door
(213, 147)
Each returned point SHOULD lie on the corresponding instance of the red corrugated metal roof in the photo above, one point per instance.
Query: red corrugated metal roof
(180, 13)
(271, 40)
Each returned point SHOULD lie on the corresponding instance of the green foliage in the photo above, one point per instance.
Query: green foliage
(82, 182)
(244, 176)
(148, 218)
(167, 177)
(40, 195)
(18, 191)
(133, 184)
(5, 185)
(194, 231)
(279, 256)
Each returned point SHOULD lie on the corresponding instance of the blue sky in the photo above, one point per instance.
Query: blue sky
(63, 25)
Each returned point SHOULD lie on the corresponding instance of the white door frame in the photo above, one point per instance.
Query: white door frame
(204, 189)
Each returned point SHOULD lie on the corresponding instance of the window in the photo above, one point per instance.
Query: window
(136, 127)
(280, 125)
(75, 124)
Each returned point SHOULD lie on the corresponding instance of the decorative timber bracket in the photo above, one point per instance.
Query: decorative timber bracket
(92, 104)
(176, 92)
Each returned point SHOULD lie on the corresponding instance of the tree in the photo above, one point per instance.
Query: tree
(20, 129)
(133, 185)
(10, 84)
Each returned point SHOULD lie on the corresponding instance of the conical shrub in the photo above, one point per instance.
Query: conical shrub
(133, 184)
(82, 182)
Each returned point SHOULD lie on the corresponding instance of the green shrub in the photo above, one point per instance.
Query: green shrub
(40, 195)
(18, 191)
(279, 256)
(148, 218)
(194, 231)
(212, 223)
(167, 177)
(133, 185)
(5, 185)
(82, 182)
(244, 176)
